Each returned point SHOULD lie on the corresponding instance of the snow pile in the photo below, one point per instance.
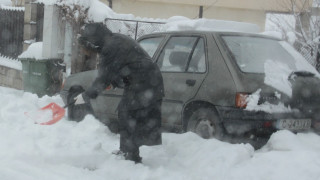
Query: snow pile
(252, 104)
(70, 150)
(178, 23)
(97, 11)
(11, 63)
(276, 75)
(301, 63)
(274, 34)
(34, 51)
(286, 156)
(40, 116)
(291, 36)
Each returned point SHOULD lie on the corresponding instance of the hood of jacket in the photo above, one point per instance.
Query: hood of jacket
(93, 36)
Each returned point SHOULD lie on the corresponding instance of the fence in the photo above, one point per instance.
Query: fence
(11, 31)
(133, 28)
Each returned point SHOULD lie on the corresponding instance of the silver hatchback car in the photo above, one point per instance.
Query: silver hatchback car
(211, 80)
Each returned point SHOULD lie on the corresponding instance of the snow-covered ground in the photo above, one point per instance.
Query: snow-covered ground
(70, 150)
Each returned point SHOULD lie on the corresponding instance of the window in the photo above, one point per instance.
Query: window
(251, 53)
(198, 60)
(177, 53)
(150, 45)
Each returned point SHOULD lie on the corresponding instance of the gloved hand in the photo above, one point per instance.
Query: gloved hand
(79, 99)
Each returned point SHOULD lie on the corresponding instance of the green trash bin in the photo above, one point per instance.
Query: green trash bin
(42, 77)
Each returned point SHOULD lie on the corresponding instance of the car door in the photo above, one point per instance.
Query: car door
(105, 105)
(182, 62)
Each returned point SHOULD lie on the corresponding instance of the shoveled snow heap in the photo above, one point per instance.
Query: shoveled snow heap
(70, 150)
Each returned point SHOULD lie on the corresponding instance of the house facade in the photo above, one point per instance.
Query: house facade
(252, 11)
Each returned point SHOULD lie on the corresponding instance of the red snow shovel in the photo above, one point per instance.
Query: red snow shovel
(52, 111)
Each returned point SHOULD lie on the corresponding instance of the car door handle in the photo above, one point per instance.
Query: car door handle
(190, 82)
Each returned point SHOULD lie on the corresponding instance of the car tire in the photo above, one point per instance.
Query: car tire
(77, 112)
(206, 123)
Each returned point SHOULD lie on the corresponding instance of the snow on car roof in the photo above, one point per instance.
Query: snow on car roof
(178, 23)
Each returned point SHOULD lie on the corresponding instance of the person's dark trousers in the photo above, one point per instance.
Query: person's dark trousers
(139, 127)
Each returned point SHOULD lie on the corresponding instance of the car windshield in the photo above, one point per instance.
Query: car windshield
(251, 53)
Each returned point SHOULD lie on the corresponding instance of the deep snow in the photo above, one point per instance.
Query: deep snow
(70, 150)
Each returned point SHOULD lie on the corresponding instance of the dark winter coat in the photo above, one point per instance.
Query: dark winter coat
(122, 59)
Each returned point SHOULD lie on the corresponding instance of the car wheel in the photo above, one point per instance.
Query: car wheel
(77, 112)
(206, 123)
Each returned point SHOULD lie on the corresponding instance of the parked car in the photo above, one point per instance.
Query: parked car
(209, 78)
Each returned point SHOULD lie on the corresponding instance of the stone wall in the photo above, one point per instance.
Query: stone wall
(30, 23)
(11, 78)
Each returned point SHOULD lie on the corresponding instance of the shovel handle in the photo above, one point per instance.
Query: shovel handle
(67, 105)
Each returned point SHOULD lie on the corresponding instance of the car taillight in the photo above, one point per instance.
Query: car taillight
(267, 124)
(109, 87)
(241, 100)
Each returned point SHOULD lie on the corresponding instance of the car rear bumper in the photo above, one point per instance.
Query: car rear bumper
(239, 121)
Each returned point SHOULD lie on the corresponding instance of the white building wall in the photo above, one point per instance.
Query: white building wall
(252, 11)
(53, 34)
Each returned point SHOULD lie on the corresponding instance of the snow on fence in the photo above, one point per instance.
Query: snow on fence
(308, 54)
(11, 30)
(133, 28)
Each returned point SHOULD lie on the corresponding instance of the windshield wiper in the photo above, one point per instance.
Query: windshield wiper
(295, 74)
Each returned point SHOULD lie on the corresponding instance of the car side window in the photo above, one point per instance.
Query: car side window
(198, 60)
(175, 55)
(150, 45)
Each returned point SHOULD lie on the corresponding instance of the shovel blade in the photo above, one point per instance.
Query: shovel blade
(56, 113)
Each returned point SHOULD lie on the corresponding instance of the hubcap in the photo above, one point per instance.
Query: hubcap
(205, 128)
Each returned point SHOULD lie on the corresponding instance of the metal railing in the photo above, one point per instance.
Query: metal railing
(133, 28)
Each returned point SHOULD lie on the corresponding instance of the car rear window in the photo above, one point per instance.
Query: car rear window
(251, 53)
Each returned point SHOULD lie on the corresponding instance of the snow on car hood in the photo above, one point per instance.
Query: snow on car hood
(277, 73)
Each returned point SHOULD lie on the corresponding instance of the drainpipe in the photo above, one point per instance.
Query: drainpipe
(110, 3)
(201, 12)
(68, 47)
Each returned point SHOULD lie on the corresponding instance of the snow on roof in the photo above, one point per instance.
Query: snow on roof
(11, 8)
(11, 63)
